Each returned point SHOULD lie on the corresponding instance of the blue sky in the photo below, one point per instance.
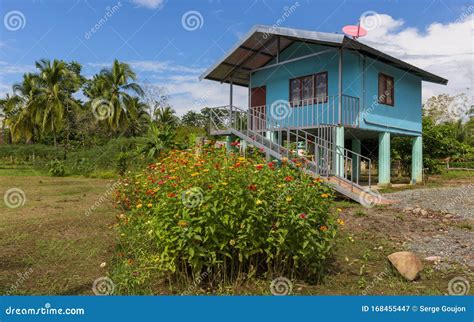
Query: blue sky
(151, 36)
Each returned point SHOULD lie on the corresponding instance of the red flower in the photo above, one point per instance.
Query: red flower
(172, 195)
(303, 216)
(288, 178)
(253, 187)
(235, 143)
(270, 165)
(259, 166)
(161, 182)
(261, 149)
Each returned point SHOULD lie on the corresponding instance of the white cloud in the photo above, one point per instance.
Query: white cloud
(149, 4)
(443, 49)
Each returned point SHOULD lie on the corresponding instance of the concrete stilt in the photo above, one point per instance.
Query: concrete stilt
(356, 147)
(384, 158)
(339, 157)
(417, 160)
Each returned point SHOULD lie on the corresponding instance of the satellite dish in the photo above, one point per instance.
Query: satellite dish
(355, 31)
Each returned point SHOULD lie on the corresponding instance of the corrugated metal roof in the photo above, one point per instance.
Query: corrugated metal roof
(260, 45)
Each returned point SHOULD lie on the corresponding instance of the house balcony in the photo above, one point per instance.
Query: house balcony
(306, 114)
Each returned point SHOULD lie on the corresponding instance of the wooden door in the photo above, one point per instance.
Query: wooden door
(258, 101)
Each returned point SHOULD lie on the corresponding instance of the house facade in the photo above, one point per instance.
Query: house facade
(328, 87)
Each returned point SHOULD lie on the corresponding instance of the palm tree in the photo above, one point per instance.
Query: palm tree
(115, 85)
(137, 115)
(53, 99)
(10, 108)
(166, 116)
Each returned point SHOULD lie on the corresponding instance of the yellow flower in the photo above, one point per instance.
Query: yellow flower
(258, 202)
(241, 159)
(339, 209)
(224, 183)
(324, 195)
(205, 170)
(340, 221)
(139, 206)
(232, 242)
(149, 205)
(281, 185)
(289, 199)
(182, 223)
(194, 174)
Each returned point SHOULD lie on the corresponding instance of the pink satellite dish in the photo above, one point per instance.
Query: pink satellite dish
(355, 31)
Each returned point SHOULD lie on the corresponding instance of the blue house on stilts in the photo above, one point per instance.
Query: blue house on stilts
(318, 96)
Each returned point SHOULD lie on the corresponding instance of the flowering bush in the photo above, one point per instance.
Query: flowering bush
(219, 213)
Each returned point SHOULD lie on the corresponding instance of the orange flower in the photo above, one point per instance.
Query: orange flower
(325, 195)
(289, 178)
(323, 228)
(172, 195)
(253, 187)
(259, 166)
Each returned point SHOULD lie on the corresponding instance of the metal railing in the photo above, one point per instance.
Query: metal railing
(317, 153)
(307, 113)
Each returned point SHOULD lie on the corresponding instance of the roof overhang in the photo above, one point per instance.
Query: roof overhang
(262, 44)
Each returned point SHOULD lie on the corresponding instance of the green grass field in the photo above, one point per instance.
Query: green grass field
(50, 246)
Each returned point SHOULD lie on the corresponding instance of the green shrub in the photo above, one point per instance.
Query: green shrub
(56, 168)
(221, 215)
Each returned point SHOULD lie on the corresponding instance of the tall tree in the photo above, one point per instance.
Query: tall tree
(115, 85)
(166, 116)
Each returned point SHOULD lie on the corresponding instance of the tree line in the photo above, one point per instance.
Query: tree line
(58, 105)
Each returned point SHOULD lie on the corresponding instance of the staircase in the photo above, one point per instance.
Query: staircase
(321, 157)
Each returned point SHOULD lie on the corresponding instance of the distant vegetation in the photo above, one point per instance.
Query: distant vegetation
(90, 125)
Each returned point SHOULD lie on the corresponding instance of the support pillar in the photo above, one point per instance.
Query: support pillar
(339, 157)
(417, 160)
(356, 147)
(272, 136)
(384, 158)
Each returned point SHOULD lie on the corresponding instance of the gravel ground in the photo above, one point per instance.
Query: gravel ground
(454, 200)
(447, 209)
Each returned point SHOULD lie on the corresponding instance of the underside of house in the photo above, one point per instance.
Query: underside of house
(316, 97)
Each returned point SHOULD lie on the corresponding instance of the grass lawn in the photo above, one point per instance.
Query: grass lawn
(49, 245)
